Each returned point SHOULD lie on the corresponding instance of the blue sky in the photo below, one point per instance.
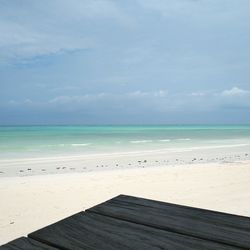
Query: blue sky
(124, 62)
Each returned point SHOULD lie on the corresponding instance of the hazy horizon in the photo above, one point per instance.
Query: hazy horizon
(130, 125)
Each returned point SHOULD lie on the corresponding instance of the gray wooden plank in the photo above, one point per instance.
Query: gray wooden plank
(210, 225)
(24, 243)
(89, 231)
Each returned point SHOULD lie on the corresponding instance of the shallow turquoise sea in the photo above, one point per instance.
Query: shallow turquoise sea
(37, 141)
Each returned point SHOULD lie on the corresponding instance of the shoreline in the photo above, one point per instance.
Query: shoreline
(32, 202)
(123, 153)
(142, 159)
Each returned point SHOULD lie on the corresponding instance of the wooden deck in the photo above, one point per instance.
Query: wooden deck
(126, 222)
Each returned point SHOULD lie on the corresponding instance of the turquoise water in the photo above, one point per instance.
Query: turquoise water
(37, 141)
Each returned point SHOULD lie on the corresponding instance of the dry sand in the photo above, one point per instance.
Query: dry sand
(31, 202)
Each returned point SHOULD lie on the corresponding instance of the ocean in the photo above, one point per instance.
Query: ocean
(46, 141)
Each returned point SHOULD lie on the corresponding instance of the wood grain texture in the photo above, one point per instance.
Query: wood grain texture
(26, 244)
(95, 232)
(214, 226)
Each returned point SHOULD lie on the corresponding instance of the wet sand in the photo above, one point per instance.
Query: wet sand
(122, 160)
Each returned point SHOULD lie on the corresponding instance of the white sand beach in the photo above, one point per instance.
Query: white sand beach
(31, 202)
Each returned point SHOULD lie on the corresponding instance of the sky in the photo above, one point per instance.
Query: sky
(124, 62)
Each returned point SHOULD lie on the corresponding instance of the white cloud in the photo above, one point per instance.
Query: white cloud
(138, 94)
(198, 94)
(62, 99)
(48, 27)
(235, 91)
(23, 102)
(65, 99)
(75, 99)
(152, 94)
(21, 42)
(160, 93)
